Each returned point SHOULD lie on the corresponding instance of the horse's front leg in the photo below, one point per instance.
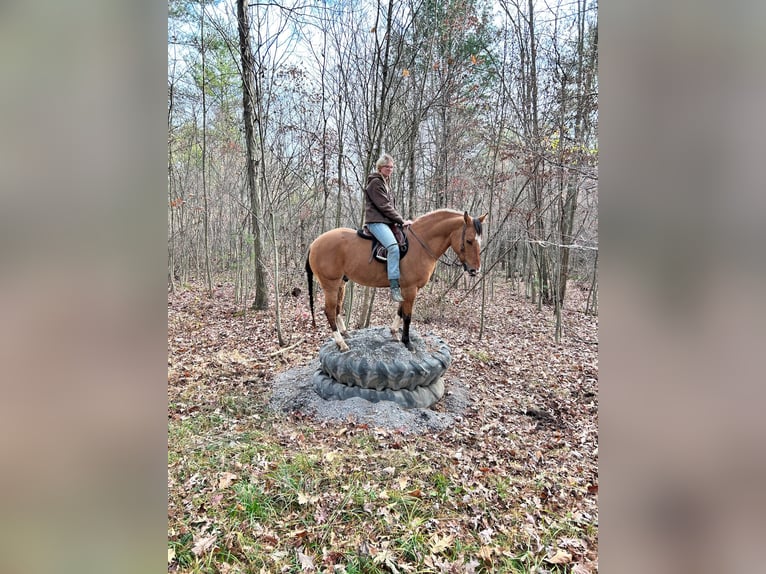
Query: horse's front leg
(404, 314)
(406, 317)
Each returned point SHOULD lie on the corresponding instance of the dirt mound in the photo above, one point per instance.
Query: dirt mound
(293, 391)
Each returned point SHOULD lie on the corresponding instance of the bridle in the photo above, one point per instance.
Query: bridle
(431, 253)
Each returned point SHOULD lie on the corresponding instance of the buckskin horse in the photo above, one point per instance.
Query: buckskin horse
(340, 255)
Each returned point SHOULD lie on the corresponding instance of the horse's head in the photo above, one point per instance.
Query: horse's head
(467, 243)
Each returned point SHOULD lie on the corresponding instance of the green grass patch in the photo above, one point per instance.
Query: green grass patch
(480, 355)
(290, 492)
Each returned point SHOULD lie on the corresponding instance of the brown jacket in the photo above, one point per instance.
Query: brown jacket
(379, 202)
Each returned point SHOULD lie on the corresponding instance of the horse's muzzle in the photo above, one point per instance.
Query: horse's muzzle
(471, 271)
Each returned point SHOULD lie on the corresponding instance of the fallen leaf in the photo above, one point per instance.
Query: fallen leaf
(203, 544)
(300, 533)
(486, 535)
(561, 557)
(306, 562)
(569, 542)
(304, 498)
(320, 515)
(485, 553)
(440, 544)
(330, 456)
(171, 555)
(226, 479)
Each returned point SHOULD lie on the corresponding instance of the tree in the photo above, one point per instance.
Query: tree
(250, 96)
(481, 114)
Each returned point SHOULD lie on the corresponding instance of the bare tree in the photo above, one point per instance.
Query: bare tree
(250, 96)
(481, 114)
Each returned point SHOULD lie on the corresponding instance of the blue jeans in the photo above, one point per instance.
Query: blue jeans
(383, 233)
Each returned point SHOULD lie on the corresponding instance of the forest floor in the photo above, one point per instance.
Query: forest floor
(511, 486)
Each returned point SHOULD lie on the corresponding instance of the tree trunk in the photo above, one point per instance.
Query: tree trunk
(591, 305)
(206, 211)
(249, 96)
(277, 313)
(171, 198)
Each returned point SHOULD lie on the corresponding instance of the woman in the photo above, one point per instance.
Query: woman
(380, 212)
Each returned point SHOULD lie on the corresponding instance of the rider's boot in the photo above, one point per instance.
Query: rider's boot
(396, 292)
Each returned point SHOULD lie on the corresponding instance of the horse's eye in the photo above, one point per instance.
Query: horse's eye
(469, 242)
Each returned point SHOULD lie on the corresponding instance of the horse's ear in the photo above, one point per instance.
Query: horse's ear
(483, 217)
(466, 217)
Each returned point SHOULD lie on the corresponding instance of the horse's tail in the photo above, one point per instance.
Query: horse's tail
(310, 277)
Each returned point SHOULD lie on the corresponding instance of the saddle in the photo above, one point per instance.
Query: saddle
(379, 251)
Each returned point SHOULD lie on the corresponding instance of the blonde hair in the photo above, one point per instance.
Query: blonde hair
(383, 160)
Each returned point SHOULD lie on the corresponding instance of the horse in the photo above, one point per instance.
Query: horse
(339, 255)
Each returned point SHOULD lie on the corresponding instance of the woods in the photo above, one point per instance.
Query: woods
(276, 113)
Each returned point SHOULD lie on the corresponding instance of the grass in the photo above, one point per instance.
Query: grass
(347, 506)
(479, 355)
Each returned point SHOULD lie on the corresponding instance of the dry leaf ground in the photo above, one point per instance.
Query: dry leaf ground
(512, 487)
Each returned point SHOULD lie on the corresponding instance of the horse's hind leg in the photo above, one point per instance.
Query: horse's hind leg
(397, 323)
(339, 309)
(331, 312)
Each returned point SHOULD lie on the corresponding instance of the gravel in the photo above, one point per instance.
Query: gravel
(293, 392)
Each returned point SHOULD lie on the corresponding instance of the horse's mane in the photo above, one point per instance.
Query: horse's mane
(439, 214)
(446, 213)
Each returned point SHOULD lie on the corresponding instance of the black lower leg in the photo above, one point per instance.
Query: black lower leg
(406, 329)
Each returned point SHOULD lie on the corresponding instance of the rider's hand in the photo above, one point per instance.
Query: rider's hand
(407, 222)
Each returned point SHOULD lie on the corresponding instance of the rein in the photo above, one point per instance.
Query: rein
(431, 253)
(428, 250)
